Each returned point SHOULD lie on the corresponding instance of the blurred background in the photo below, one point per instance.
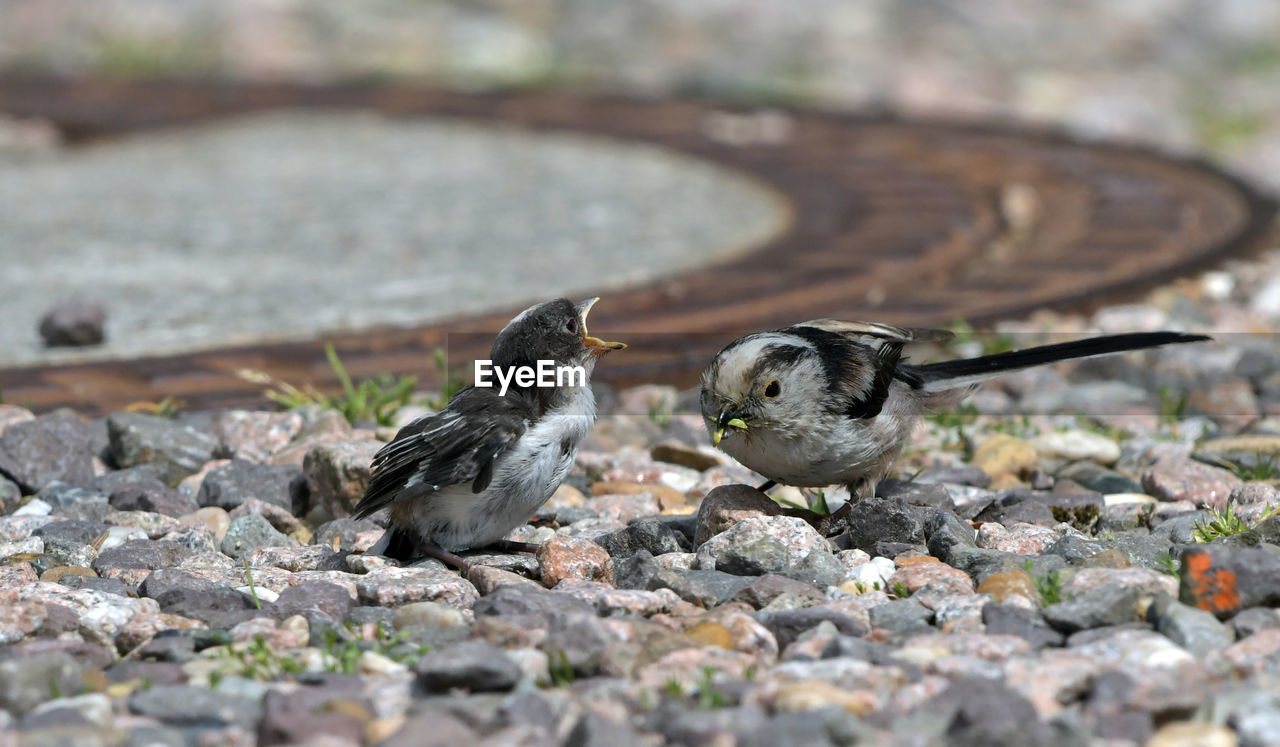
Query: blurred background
(1190, 75)
(582, 147)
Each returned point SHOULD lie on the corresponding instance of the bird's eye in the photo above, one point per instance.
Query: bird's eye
(571, 326)
(772, 389)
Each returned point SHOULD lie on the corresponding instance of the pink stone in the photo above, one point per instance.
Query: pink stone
(571, 557)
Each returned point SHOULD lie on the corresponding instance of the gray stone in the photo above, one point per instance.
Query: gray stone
(1008, 619)
(118, 478)
(594, 730)
(525, 599)
(337, 474)
(1259, 728)
(344, 530)
(726, 505)
(703, 588)
(170, 648)
(10, 496)
(219, 607)
(163, 580)
(1112, 637)
(68, 500)
(28, 681)
(946, 531)
(1098, 607)
(372, 616)
(74, 324)
(180, 593)
(64, 722)
(93, 583)
(434, 727)
(248, 533)
(915, 493)
(198, 540)
(763, 544)
(981, 563)
(643, 534)
(298, 716)
(234, 483)
(1265, 531)
(830, 725)
(1124, 517)
(474, 665)
(636, 571)
(1098, 478)
(1180, 529)
(787, 625)
(141, 553)
(154, 496)
(313, 599)
(582, 642)
(901, 616)
(185, 706)
(681, 724)
(971, 476)
(763, 590)
(1074, 549)
(68, 543)
(147, 439)
(873, 520)
(57, 446)
(1253, 620)
(1018, 505)
(1195, 630)
(981, 711)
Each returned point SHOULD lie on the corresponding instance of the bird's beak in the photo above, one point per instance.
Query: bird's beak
(595, 345)
(726, 420)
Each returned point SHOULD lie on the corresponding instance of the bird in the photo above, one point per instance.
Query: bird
(829, 402)
(464, 477)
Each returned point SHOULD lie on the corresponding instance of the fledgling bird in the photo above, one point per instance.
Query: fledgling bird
(466, 476)
(829, 402)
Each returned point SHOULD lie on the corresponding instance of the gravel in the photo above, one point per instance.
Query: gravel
(1037, 605)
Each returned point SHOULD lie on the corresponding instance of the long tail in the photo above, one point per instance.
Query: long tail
(937, 377)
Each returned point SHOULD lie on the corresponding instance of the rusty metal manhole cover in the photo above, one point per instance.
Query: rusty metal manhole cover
(905, 222)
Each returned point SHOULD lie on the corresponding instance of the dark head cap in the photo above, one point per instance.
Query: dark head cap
(554, 330)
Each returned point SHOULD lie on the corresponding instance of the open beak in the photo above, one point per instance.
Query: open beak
(595, 345)
(726, 420)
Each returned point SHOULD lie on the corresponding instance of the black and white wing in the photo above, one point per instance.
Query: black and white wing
(861, 359)
(876, 332)
(458, 445)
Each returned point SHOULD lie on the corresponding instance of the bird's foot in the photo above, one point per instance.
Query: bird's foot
(446, 557)
(513, 546)
(834, 522)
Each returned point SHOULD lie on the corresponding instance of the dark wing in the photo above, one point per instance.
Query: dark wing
(861, 358)
(458, 445)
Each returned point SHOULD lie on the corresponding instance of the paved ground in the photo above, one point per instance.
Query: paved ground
(993, 223)
(281, 226)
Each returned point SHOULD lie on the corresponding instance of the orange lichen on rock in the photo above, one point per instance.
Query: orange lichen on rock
(1214, 590)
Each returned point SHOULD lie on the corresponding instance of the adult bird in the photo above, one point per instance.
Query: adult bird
(828, 402)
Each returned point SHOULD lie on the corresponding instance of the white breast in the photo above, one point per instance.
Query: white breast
(524, 478)
(834, 450)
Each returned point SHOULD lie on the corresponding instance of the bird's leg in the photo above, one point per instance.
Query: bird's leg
(856, 492)
(446, 557)
(513, 546)
(767, 485)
